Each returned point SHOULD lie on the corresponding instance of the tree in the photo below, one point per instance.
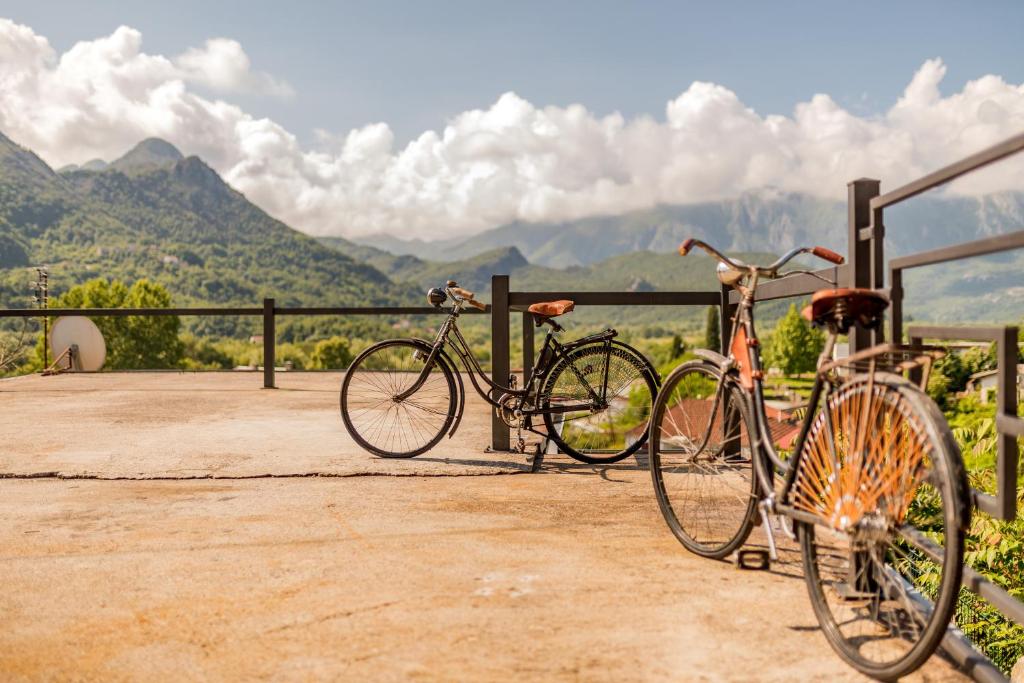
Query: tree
(677, 348)
(794, 346)
(712, 333)
(133, 342)
(332, 354)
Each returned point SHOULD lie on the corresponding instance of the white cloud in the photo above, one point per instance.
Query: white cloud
(512, 160)
(222, 64)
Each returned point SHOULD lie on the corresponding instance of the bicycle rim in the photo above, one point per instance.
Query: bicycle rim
(700, 460)
(385, 425)
(883, 564)
(601, 436)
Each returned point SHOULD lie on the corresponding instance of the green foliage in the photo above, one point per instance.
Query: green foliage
(133, 342)
(994, 548)
(332, 354)
(939, 387)
(712, 331)
(794, 346)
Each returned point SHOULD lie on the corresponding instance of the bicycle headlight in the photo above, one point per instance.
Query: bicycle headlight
(436, 296)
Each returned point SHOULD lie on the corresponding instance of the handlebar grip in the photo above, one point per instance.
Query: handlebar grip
(462, 293)
(477, 304)
(828, 255)
(685, 247)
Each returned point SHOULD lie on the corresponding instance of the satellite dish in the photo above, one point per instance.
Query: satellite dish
(78, 339)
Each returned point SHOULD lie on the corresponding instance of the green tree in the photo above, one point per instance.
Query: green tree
(712, 332)
(677, 347)
(794, 346)
(133, 342)
(332, 354)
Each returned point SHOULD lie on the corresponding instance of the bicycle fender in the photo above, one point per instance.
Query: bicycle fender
(712, 357)
(460, 398)
(647, 363)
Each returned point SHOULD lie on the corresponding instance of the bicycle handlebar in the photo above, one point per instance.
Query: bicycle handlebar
(768, 271)
(467, 296)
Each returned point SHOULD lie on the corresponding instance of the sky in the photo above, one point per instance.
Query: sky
(447, 118)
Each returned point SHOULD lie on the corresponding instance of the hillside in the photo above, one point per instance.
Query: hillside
(171, 219)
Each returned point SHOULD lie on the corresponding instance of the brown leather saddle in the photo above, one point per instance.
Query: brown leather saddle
(847, 307)
(552, 309)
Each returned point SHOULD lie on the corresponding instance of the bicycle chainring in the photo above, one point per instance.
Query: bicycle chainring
(508, 405)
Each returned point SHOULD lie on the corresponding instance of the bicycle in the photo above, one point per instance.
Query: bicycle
(874, 488)
(401, 396)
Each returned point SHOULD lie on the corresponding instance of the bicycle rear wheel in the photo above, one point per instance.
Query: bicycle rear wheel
(382, 423)
(700, 458)
(619, 376)
(883, 563)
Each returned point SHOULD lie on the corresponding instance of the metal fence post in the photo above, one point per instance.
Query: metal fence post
(1006, 407)
(860, 251)
(269, 335)
(499, 353)
(725, 314)
(527, 346)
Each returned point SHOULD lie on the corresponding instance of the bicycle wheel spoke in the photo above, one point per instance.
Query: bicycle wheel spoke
(701, 461)
(882, 563)
(375, 413)
(611, 420)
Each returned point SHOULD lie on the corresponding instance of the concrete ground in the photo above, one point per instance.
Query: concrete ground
(565, 574)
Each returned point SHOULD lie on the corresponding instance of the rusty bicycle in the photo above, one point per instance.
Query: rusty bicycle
(873, 489)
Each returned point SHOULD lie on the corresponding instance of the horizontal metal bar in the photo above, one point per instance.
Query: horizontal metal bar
(797, 285)
(989, 245)
(986, 503)
(619, 298)
(121, 312)
(968, 660)
(1008, 424)
(951, 172)
(963, 333)
(1010, 606)
(381, 310)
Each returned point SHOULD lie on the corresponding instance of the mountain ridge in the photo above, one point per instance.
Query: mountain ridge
(175, 222)
(756, 221)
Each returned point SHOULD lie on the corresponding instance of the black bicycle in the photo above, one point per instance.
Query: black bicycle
(400, 397)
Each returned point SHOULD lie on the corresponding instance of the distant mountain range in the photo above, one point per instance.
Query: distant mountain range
(765, 221)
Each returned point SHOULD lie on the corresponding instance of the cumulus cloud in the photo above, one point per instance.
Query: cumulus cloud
(222, 64)
(511, 160)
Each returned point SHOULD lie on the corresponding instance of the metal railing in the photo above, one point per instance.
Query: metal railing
(268, 312)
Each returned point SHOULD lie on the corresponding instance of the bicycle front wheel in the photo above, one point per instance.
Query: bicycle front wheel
(884, 479)
(378, 418)
(701, 460)
(620, 381)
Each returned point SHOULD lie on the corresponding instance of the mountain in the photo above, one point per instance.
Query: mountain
(757, 221)
(149, 154)
(173, 220)
(473, 273)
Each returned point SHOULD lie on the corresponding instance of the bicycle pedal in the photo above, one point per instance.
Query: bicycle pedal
(753, 559)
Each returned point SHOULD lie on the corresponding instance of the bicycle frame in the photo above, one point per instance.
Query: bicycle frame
(551, 351)
(745, 344)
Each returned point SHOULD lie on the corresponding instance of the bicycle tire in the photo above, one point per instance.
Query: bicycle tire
(627, 368)
(376, 376)
(707, 491)
(887, 608)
